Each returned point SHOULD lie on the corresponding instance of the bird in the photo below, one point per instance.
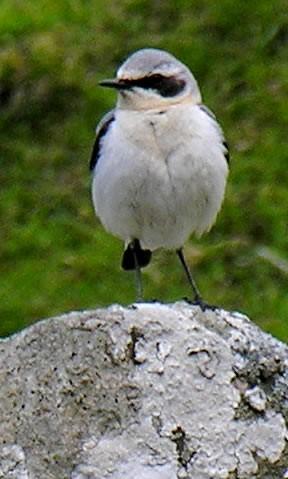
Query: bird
(159, 162)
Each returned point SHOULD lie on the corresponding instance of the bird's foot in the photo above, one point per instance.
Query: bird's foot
(198, 301)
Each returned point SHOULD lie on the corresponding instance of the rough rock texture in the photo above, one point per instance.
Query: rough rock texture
(148, 392)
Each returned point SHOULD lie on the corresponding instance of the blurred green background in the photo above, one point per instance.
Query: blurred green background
(54, 255)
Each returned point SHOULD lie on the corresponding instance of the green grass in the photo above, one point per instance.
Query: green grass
(54, 254)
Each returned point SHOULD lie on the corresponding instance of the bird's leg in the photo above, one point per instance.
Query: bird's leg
(197, 295)
(138, 275)
(134, 257)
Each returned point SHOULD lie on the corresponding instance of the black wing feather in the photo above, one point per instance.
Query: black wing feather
(208, 112)
(102, 130)
(226, 154)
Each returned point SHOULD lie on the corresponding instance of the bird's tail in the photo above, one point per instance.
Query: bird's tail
(134, 255)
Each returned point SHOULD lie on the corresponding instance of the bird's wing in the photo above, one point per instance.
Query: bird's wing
(101, 131)
(208, 112)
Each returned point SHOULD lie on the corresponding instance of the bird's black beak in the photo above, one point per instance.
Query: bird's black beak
(115, 83)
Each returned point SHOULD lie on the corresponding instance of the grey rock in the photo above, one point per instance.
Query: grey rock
(148, 392)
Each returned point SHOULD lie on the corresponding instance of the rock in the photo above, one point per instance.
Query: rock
(151, 391)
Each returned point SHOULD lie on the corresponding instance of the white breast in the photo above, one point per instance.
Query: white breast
(160, 176)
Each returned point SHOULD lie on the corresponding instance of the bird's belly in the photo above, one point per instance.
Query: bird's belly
(160, 201)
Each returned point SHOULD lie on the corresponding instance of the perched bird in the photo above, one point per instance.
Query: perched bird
(159, 162)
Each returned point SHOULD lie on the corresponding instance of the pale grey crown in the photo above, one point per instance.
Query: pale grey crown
(159, 71)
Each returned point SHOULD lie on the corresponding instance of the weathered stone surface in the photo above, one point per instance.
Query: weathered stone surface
(148, 392)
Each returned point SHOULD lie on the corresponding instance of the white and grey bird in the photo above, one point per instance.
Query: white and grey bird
(159, 162)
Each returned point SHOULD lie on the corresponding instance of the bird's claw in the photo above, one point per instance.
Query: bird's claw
(202, 304)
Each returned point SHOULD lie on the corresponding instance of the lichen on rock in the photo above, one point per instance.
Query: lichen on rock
(150, 391)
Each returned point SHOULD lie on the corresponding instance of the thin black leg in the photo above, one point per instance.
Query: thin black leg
(138, 276)
(197, 295)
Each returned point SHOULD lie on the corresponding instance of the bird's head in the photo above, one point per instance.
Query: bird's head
(151, 79)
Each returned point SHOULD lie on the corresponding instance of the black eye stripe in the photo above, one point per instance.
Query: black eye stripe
(166, 86)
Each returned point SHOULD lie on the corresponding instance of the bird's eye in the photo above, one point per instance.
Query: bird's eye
(163, 85)
(151, 81)
(157, 77)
